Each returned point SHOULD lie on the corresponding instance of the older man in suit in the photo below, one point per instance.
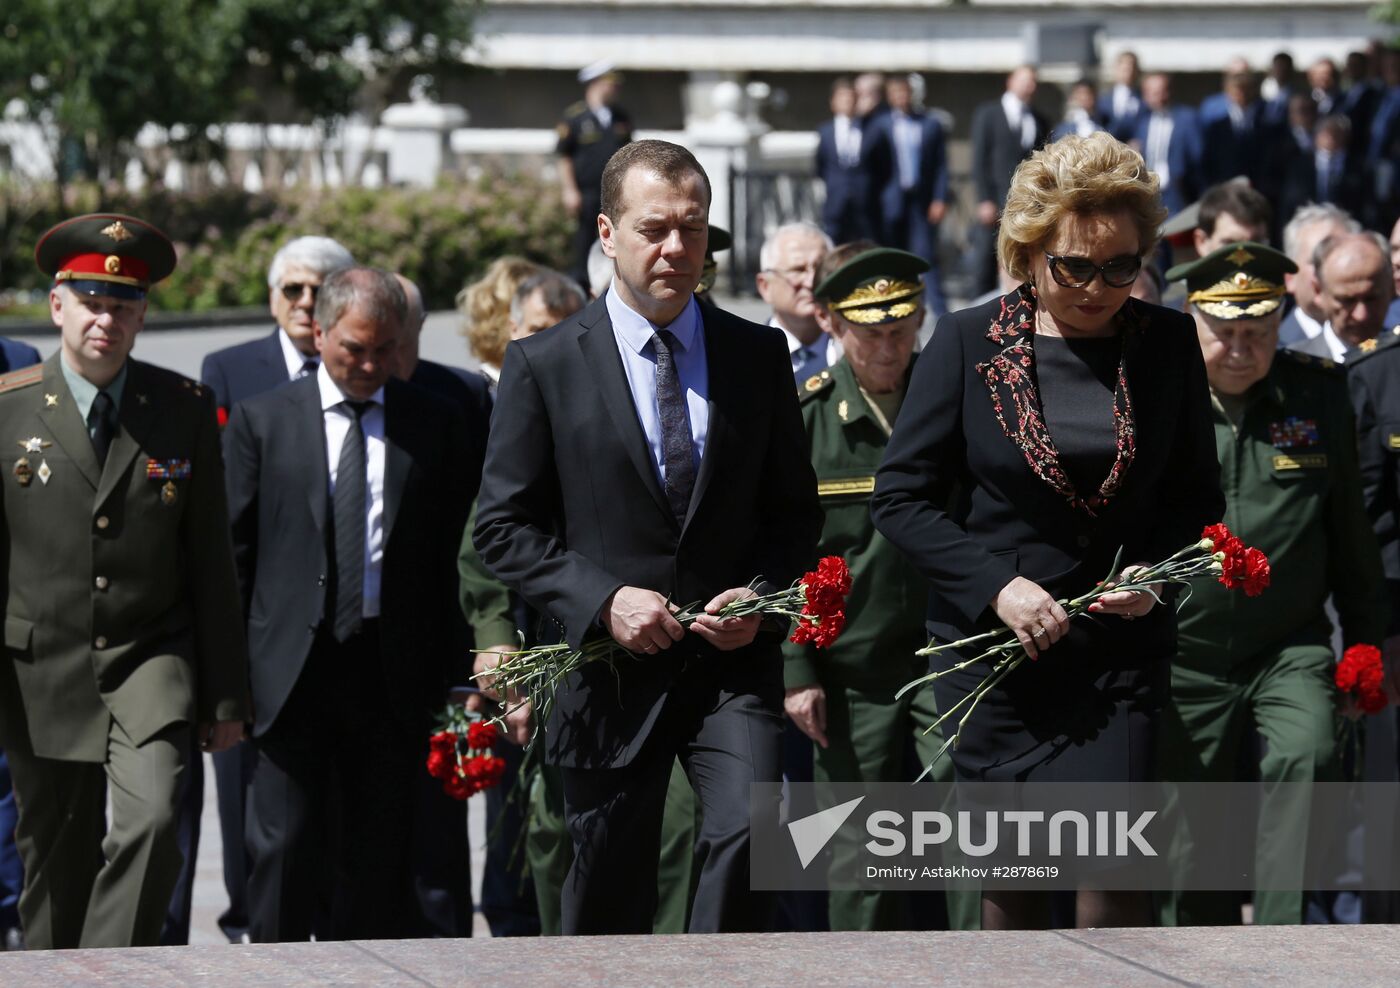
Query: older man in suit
(1004, 133)
(649, 450)
(348, 495)
(122, 634)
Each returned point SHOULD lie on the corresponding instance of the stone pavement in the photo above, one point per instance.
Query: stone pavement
(1236, 956)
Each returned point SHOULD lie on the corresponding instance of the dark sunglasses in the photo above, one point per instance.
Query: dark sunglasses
(1077, 272)
(292, 290)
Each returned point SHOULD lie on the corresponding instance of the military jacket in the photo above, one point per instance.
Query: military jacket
(884, 614)
(1293, 489)
(1374, 379)
(120, 599)
(584, 140)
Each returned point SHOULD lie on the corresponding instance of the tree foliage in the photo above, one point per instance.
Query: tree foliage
(95, 72)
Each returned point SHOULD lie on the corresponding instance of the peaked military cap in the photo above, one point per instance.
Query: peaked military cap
(599, 69)
(720, 240)
(106, 254)
(1236, 281)
(877, 286)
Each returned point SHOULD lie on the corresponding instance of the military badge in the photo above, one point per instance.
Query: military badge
(118, 231)
(44, 472)
(843, 410)
(168, 470)
(1292, 433)
(23, 473)
(169, 493)
(34, 444)
(50, 401)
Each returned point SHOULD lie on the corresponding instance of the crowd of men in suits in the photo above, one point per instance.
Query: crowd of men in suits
(1325, 135)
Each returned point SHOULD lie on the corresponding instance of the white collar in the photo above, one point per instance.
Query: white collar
(291, 356)
(331, 395)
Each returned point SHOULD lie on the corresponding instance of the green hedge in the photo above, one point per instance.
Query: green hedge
(441, 237)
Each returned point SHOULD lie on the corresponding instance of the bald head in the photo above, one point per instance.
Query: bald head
(412, 328)
(1352, 276)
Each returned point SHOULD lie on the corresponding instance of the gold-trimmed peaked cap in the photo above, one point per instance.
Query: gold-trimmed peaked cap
(106, 254)
(877, 286)
(1236, 281)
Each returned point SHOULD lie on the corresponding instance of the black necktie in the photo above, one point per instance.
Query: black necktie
(100, 421)
(308, 366)
(348, 504)
(676, 447)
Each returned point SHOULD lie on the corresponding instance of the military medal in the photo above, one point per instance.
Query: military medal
(34, 444)
(843, 410)
(50, 401)
(168, 493)
(22, 472)
(44, 472)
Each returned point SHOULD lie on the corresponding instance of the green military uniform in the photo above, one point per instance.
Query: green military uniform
(868, 731)
(1289, 471)
(123, 626)
(548, 849)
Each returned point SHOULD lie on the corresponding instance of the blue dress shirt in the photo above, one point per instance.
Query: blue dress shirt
(633, 333)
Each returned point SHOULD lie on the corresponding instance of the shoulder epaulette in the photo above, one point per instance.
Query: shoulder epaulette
(815, 385)
(574, 109)
(1325, 364)
(23, 378)
(1387, 340)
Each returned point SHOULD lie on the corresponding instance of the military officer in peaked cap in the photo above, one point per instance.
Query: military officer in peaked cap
(591, 131)
(842, 697)
(1288, 466)
(123, 630)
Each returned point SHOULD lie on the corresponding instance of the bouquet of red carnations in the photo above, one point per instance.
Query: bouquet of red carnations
(1219, 553)
(1361, 676)
(459, 753)
(817, 602)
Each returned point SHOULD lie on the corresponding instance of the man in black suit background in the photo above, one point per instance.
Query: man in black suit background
(1004, 133)
(348, 495)
(843, 165)
(234, 373)
(648, 450)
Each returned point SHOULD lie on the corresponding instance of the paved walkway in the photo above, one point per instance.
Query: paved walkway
(1236, 956)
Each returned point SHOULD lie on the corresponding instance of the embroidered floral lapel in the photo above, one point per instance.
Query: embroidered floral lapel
(1010, 376)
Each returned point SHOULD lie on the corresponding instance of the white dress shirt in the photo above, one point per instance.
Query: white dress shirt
(295, 359)
(847, 134)
(1125, 101)
(337, 417)
(908, 145)
(633, 332)
(1334, 343)
(1159, 142)
(1019, 119)
(797, 350)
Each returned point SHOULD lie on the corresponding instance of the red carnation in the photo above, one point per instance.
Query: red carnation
(441, 765)
(481, 735)
(1255, 572)
(457, 787)
(443, 741)
(222, 414)
(1362, 674)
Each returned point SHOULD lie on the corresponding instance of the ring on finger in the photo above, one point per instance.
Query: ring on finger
(1038, 633)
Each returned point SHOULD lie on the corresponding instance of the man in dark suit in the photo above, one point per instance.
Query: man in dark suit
(348, 494)
(648, 450)
(843, 165)
(913, 188)
(1004, 133)
(233, 374)
(14, 355)
(1330, 174)
(1121, 106)
(1234, 144)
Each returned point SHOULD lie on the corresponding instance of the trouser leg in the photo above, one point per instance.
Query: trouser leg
(507, 898)
(1294, 713)
(737, 744)
(233, 774)
(131, 894)
(441, 860)
(548, 847)
(676, 873)
(189, 802)
(60, 825)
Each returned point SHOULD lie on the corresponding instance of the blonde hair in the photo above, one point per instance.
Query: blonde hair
(1080, 176)
(485, 306)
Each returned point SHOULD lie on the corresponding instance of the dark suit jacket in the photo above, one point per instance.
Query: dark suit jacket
(279, 505)
(1125, 126)
(931, 179)
(1183, 157)
(14, 355)
(1299, 185)
(973, 418)
(1226, 153)
(849, 208)
(241, 371)
(469, 393)
(571, 509)
(996, 151)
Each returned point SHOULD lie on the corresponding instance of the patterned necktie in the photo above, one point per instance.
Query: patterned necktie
(676, 445)
(348, 510)
(810, 360)
(100, 421)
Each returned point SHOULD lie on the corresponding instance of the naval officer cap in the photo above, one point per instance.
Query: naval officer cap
(875, 287)
(106, 254)
(1236, 281)
(598, 70)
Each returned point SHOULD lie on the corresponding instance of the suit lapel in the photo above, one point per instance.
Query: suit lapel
(719, 356)
(134, 422)
(397, 460)
(63, 421)
(309, 444)
(600, 350)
